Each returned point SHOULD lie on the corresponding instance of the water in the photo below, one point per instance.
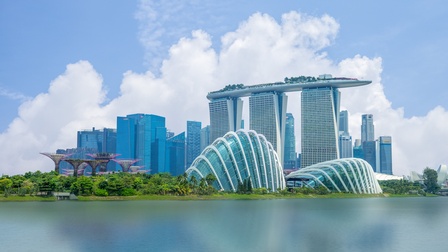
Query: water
(373, 224)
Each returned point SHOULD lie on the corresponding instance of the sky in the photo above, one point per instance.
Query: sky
(72, 65)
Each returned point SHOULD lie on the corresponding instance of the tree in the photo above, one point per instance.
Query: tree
(430, 180)
(5, 185)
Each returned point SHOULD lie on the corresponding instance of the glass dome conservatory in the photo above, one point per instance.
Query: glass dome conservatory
(236, 157)
(341, 175)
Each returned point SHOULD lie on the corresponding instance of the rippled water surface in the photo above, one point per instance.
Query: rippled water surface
(373, 224)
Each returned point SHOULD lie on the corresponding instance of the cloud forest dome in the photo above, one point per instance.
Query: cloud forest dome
(237, 157)
(352, 175)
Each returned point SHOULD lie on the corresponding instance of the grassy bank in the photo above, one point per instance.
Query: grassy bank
(219, 196)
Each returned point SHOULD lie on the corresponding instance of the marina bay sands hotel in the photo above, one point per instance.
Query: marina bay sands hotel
(320, 101)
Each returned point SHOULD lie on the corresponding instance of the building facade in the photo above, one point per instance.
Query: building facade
(367, 128)
(143, 137)
(320, 131)
(267, 116)
(175, 154)
(290, 155)
(205, 137)
(225, 115)
(193, 140)
(385, 154)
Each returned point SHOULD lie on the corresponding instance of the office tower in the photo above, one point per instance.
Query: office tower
(367, 128)
(193, 141)
(345, 140)
(385, 154)
(345, 146)
(320, 113)
(225, 116)
(175, 154)
(267, 112)
(143, 137)
(357, 149)
(102, 140)
(290, 157)
(343, 122)
(205, 137)
(369, 152)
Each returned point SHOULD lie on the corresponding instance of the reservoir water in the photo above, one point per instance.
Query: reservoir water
(371, 224)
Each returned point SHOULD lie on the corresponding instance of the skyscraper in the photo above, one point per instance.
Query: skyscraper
(205, 137)
(225, 116)
(267, 116)
(345, 146)
(367, 128)
(290, 157)
(343, 122)
(369, 152)
(193, 141)
(320, 113)
(175, 154)
(143, 137)
(357, 149)
(385, 154)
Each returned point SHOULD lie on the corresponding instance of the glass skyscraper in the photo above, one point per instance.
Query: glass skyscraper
(143, 137)
(369, 152)
(290, 157)
(193, 141)
(225, 116)
(385, 154)
(205, 137)
(345, 140)
(320, 113)
(343, 122)
(267, 117)
(175, 154)
(102, 140)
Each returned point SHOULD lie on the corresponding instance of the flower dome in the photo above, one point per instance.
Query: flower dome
(237, 157)
(341, 175)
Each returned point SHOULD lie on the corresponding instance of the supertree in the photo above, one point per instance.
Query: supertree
(125, 163)
(75, 163)
(57, 158)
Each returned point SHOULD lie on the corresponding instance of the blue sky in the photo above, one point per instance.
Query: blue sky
(39, 39)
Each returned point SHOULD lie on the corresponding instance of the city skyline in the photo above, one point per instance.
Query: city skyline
(73, 85)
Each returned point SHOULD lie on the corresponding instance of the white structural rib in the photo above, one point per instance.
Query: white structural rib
(255, 158)
(224, 165)
(260, 148)
(235, 164)
(204, 158)
(353, 169)
(241, 149)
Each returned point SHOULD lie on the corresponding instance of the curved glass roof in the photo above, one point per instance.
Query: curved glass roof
(236, 157)
(341, 175)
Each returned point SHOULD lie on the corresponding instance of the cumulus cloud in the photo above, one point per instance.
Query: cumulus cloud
(260, 50)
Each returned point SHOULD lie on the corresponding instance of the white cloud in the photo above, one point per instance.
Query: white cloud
(259, 50)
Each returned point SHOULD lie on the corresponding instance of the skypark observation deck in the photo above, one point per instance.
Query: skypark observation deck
(290, 85)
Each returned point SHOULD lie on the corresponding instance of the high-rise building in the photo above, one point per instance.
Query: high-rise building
(369, 153)
(320, 131)
(225, 116)
(193, 141)
(343, 122)
(357, 149)
(142, 137)
(345, 146)
(267, 116)
(385, 154)
(367, 128)
(290, 157)
(175, 154)
(205, 137)
(102, 140)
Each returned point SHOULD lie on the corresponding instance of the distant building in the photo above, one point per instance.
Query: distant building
(103, 140)
(193, 141)
(345, 146)
(385, 154)
(357, 149)
(343, 122)
(205, 137)
(143, 137)
(290, 156)
(369, 152)
(367, 128)
(175, 154)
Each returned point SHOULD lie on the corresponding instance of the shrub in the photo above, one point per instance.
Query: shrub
(101, 192)
(129, 192)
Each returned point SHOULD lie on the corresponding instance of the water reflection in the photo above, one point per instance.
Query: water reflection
(380, 224)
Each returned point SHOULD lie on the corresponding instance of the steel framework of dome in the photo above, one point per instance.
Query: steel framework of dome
(236, 157)
(352, 175)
